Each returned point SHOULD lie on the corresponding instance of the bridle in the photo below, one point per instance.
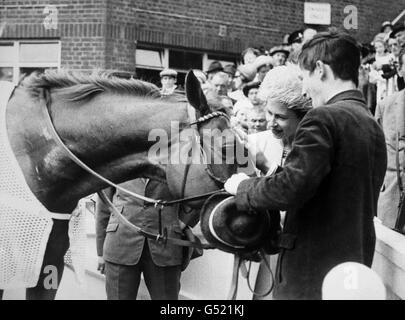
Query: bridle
(159, 204)
(161, 236)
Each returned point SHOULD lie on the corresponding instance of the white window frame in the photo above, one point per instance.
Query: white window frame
(165, 60)
(207, 62)
(16, 64)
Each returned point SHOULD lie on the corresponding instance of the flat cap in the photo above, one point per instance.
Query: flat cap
(386, 24)
(168, 73)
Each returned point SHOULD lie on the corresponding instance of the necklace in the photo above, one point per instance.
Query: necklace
(286, 151)
(284, 155)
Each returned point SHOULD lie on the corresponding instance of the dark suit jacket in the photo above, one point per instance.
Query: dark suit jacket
(329, 186)
(121, 245)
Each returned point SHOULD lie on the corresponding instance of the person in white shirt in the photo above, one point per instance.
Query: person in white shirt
(382, 58)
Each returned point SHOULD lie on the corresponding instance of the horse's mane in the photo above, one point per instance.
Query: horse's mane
(77, 86)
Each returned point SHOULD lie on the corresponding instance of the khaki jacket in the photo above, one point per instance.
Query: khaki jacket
(121, 245)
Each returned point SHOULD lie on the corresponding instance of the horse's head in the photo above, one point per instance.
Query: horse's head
(212, 157)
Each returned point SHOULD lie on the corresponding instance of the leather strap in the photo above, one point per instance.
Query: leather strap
(287, 241)
(157, 237)
(266, 263)
(238, 264)
(81, 164)
(237, 261)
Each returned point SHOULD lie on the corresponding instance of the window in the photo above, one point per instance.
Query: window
(151, 60)
(24, 57)
(184, 60)
(225, 60)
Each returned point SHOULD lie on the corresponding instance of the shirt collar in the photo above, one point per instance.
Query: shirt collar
(348, 95)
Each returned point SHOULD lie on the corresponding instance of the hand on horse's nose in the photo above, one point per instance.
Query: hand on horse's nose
(231, 185)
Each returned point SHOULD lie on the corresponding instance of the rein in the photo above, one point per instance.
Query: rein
(238, 264)
(161, 237)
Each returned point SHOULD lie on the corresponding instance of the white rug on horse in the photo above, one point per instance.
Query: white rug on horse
(24, 221)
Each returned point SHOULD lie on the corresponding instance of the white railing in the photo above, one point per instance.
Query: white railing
(389, 260)
(209, 277)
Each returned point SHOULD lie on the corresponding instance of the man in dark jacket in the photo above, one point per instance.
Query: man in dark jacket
(127, 254)
(332, 177)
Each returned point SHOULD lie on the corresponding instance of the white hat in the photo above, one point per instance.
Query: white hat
(263, 61)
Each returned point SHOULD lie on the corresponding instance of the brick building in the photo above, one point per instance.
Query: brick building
(146, 36)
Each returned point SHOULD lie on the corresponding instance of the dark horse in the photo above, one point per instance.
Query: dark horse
(105, 121)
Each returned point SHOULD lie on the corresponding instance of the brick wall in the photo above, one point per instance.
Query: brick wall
(81, 28)
(103, 33)
(195, 24)
(260, 22)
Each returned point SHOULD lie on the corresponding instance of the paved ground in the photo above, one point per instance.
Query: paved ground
(70, 289)
(198, 275)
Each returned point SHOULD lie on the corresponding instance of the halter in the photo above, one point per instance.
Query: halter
(201, 120)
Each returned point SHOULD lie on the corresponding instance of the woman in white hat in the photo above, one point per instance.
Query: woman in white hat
(285, 106)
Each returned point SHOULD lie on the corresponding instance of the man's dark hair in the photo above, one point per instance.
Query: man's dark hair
(338, 50)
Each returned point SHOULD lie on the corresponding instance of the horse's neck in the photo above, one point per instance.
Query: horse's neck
(113, 126)
(109, 133)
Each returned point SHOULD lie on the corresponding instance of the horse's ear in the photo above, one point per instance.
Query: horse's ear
(195, 94)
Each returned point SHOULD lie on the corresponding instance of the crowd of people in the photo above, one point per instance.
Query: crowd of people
(324, 120)
(123, 259)
(269, 96)
(379, 75)
(238, 86)
(322, 168)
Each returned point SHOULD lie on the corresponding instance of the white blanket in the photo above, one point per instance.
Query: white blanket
(24, 221)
